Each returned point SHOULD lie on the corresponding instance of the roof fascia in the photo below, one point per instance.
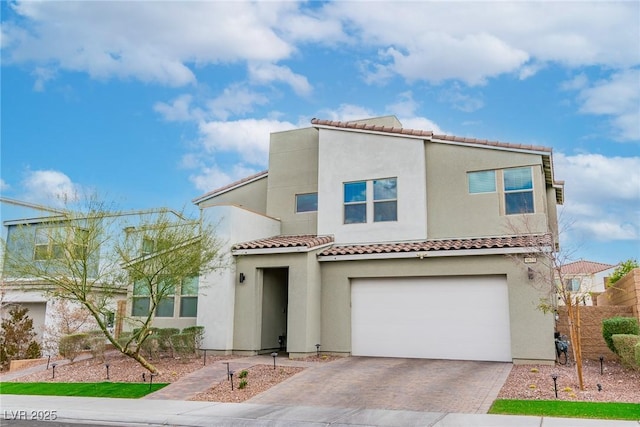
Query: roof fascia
(274, 251)
(433, 254)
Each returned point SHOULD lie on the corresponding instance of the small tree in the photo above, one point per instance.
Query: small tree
(94, 254)
(17, 337)
(621, 270)
(554, 282)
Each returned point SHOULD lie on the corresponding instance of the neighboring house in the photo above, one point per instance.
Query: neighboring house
(585, 279)
(369, 239)
(37, 241)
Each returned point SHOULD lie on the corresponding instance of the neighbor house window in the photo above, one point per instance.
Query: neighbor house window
(385, 200)
(306, 202)
(572, 285)
(167, 289)
(50, 242)
(141, 300)
(147, 246)
(355, 202)
(482, 182)
(189, 297)
(518, 191)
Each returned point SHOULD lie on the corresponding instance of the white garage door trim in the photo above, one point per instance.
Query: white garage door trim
(460, 318)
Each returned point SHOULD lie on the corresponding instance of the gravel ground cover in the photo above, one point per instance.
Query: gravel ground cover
(617, 383)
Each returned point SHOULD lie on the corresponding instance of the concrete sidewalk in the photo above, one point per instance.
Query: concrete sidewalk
(151, 412)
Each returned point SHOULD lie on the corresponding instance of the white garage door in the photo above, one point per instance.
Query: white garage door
(462, 318)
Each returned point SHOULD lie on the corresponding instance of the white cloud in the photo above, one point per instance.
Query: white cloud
(3, 185)
(619, 97)
(235, 100)
(212, 177)
(50, 187)
(602, 195)
(179, 110)
(149, 41)
(267, 73)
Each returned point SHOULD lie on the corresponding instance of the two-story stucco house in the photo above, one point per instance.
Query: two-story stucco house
(585, 279)
(371, 239)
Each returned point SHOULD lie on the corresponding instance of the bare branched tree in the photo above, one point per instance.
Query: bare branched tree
(557, 286)
(94, 255)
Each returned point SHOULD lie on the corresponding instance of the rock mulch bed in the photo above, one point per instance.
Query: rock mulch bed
(617, 383)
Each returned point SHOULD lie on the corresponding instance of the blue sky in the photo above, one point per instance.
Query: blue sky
(151, 104)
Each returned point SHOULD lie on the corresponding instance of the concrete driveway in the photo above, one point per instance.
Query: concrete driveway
(393, 383)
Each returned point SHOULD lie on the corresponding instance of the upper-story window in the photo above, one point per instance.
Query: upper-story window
(306, 202)
(518, 191)
(385, 200)
(51, 242)
(482, 182)
(572, 284)
(355, 202)
(382, 193)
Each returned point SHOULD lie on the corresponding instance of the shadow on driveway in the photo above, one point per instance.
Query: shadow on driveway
(393, 383)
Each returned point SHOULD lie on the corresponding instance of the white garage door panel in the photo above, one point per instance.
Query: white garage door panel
(463, 318)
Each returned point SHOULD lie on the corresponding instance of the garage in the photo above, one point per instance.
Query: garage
(459, 318)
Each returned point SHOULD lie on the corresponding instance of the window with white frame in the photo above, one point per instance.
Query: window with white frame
(189, 297)
(141, 301)
(166, 288)
(482, 182)
(573, 284)
(306, 202)
(50, 242)
(385, 200)
(355, 202)
(518, 191)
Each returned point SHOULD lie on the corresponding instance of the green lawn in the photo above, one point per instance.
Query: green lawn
(561, 408)
(103, 389)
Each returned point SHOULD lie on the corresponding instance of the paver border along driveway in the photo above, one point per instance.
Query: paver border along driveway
(393, 383)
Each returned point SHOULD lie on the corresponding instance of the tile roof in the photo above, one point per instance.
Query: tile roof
(426, 134)
(309, 241)
(229, 186)
(584, 267)
(442, 245)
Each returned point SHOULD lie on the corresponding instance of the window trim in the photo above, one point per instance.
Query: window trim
(314, 203)
(506, 192)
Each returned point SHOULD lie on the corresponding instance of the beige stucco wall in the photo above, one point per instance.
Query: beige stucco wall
(452, 212)
(293, 169)
(303, 324)
(531, 330)
(251, 196)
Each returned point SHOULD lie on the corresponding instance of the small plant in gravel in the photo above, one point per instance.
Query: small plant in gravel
(242, 384)
(243, 374)
(535, 370)
(533, 386)
(567, 389)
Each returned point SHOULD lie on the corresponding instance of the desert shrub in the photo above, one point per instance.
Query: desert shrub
(243, 374)
(242, 384)
(183, 344)
(625, 348)
(637, 354)
(621, 270)
(17, 337)
(618, 325)
(198, 334)
(33, 350)
(70, 346)
(164, 338)
(97, 346)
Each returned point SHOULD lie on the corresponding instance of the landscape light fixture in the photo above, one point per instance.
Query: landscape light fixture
(601, 365)
(106, 365)
(274, 355)
(53, 366)
(231, 376)
(530, 273)
(242, 277)
(228, 371)
(555, 383)
(151, 380)
(318, 350)
(599, 387)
